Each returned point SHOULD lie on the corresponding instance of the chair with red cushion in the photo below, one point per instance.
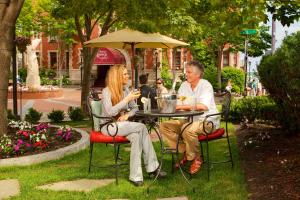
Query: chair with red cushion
(96, 136)
(220, 133)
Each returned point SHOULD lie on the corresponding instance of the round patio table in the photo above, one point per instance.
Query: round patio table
(151, 119)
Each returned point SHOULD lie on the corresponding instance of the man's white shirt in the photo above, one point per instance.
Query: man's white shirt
(204, 94)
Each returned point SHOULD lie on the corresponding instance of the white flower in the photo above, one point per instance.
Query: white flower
(43, 137)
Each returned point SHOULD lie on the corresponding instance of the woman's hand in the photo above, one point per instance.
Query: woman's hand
(133, 95)
(123, 118)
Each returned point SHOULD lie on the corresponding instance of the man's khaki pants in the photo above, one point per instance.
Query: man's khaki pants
(171, 129)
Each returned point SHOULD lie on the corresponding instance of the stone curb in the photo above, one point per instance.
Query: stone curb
(52, 155)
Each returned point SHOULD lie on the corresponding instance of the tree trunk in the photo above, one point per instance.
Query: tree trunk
(5, 54)
(89, 53)
(88, 57)
(9, 12)
(219, 68)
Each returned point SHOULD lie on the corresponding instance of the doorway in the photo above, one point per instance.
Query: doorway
(101, 75)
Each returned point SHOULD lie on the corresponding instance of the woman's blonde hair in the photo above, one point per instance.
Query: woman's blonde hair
(114, 82)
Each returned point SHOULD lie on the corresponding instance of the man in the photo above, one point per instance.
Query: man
(146, 91)
(196, 89)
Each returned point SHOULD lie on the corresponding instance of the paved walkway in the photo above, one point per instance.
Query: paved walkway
(71, 97)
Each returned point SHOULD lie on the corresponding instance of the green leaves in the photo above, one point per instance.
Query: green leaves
(284, 11)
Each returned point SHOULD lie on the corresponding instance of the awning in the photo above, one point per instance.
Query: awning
(108, 56)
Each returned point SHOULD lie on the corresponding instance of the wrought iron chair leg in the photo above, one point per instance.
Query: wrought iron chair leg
(201, 149)
(207, 155)
(230, 154)
(118, 151)
(91, 155)
(172, 164)
(116, 162)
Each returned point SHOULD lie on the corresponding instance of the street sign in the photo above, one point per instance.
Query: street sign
(248, 32)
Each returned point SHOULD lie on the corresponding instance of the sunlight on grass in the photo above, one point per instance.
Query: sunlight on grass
(225, 183)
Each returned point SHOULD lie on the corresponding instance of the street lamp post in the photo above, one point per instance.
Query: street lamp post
(247, 32)
(81, 68)
(246, 60)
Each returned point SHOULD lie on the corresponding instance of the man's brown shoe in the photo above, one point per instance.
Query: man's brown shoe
(196, 165)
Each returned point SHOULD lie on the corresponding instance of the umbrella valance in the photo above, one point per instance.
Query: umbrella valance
(127, 38)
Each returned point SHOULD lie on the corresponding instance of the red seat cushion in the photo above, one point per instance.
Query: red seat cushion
(214, 135)
(98, 137)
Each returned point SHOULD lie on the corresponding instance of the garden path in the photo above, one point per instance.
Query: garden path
(71, 97)
(9, 188)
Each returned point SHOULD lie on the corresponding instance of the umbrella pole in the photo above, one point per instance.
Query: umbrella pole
(132, 65)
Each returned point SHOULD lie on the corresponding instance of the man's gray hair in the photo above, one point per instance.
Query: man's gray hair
(198, 65)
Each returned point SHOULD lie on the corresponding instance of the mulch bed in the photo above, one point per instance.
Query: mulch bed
(271, 161)
(53, 142)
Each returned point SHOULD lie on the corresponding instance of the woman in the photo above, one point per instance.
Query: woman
(161, 89)
(119, 102)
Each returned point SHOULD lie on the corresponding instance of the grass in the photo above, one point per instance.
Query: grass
(225, 182)
(76, 124)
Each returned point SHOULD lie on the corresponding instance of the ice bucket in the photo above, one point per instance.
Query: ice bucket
(167, 103)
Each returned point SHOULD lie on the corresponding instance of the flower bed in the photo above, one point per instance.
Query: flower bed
(25, 139)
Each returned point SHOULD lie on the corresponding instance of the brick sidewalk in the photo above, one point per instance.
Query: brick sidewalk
(71, 97)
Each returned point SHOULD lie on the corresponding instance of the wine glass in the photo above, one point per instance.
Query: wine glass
(136, 91)
(182, 99)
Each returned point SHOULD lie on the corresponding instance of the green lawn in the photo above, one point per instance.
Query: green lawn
(225, 183)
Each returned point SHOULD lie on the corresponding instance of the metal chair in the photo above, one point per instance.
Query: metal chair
(95, 108)
(211, 135)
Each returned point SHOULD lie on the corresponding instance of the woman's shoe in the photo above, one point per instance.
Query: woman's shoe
(182, 162)
(161, 173)
(137, 183)
(195, 166)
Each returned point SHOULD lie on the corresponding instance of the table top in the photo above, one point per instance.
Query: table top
(178, 113)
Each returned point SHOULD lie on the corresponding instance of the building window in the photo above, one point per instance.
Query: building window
(67, 61)
(225, 58)
(53, 59)
(80, 57)
(52, 38)
(178, 59)
(38, 57)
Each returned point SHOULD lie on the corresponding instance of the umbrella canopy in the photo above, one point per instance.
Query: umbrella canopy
(127, 38)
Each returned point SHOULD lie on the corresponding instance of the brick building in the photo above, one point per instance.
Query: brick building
(54, 54)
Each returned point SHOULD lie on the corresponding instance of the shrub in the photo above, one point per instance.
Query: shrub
(56, 116)
(33, 116)
(236, 76)
(261, 108)
(10, 115)
(280, 74)
(75, 113)
(51, 73)
(23, 74)
(66, 80)
(166, 75)
(43, 72)
(210, 74)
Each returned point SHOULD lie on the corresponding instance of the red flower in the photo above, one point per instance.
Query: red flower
(37, 144)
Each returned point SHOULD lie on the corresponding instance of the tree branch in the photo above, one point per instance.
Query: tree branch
(88, 27)
(112, 22)
(108, 20)
(79, 29)
(99, 17)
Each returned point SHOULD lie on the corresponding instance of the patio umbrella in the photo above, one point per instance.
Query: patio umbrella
(127, 38)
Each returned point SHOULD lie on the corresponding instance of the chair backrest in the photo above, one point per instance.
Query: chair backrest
(95, 109)
(226, 105)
